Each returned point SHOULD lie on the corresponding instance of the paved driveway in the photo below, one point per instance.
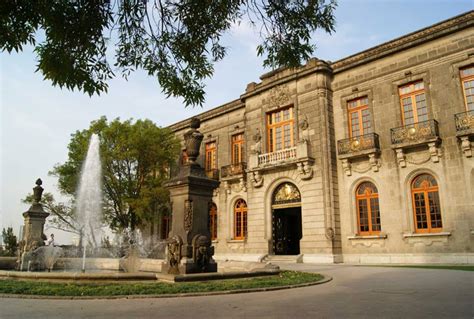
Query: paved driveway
(355, 292)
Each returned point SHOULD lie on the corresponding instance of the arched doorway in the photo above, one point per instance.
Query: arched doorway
(286, 220)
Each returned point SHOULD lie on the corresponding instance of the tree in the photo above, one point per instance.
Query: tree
(62, 216)
(136, 160)
(176, 41)
(10, 241)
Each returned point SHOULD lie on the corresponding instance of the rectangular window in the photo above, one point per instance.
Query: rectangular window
(280, 129)
(211, 156)
(213, 221)
(467, 82)
(165, 226)
(359, 117)
(413, 103)
(184, 157)
(237, 148)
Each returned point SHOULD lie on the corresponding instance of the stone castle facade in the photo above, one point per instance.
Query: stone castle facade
(368, 159)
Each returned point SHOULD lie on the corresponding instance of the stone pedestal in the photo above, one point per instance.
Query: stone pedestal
(33, 234)
(189, 247)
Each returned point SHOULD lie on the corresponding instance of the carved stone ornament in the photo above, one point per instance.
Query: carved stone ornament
(174, 253)
(305, 170)
(286, 193)
(38, 191)
(193, 139)
(435, 152)
(304, 130)
(401, 157)
(243, 185)
(330, 233)
(188, 215)
(256, 148)
(279, 96)
(257, 179)
(202, 251)
(466, 146)
(346, 166)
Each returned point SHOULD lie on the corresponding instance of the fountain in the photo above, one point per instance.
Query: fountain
(189, 251)
(89, 197)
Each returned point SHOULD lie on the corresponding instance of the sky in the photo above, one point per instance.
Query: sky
(37, 119)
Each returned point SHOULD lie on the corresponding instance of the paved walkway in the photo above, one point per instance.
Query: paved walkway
(355, 292)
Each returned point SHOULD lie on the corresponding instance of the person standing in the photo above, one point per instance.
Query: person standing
(50, 241)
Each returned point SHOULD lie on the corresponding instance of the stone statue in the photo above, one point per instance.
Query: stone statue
(256, 148)
(174, 254)
(202, 251)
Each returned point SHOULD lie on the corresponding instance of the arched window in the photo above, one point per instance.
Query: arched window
(426, 210)
(213, 221)
(368, 213)
(240, 219)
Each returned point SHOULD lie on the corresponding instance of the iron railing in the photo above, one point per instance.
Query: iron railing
(358, 143)
(415, 133)
(464, 121)
(233, 169)
(213, 174)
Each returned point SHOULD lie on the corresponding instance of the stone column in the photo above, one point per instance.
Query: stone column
(189, 246)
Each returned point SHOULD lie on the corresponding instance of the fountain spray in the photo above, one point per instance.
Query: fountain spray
(89, 199)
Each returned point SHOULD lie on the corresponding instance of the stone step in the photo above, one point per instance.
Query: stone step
(290, 259)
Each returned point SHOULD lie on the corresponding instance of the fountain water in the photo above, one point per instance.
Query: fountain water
(89, 199)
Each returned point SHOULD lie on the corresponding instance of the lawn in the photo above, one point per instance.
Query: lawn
(24, 287)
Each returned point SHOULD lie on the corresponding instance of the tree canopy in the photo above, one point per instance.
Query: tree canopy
(136, 160)
(176, 41)
(63, 216)
(10, 241)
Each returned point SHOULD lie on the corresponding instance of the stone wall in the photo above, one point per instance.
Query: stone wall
(437, 64)
(319, 92)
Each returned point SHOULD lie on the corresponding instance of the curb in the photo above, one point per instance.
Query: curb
(325, 279)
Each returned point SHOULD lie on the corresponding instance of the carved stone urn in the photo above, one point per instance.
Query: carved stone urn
(193, 139)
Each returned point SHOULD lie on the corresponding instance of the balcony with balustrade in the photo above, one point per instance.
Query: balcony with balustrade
(417, 135)
(233, 171)
(213, 174)
(358, 147)
(297, 156)
(465, 130)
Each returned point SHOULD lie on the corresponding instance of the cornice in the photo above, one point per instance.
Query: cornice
(220, 110)
(284, 75)
(435, 31)
(274, 78)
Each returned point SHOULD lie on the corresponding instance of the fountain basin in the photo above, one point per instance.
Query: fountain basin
(106, 269)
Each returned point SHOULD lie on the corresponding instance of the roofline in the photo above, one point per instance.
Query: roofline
(219, 110)
(406, 41)
(440, 29)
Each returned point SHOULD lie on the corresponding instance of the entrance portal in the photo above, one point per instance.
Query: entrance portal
(286, 220)
(286, 231)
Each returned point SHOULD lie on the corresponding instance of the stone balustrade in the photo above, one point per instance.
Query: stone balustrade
(277, 157)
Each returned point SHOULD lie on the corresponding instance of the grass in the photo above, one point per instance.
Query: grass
(453, 267)
(9, 286)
